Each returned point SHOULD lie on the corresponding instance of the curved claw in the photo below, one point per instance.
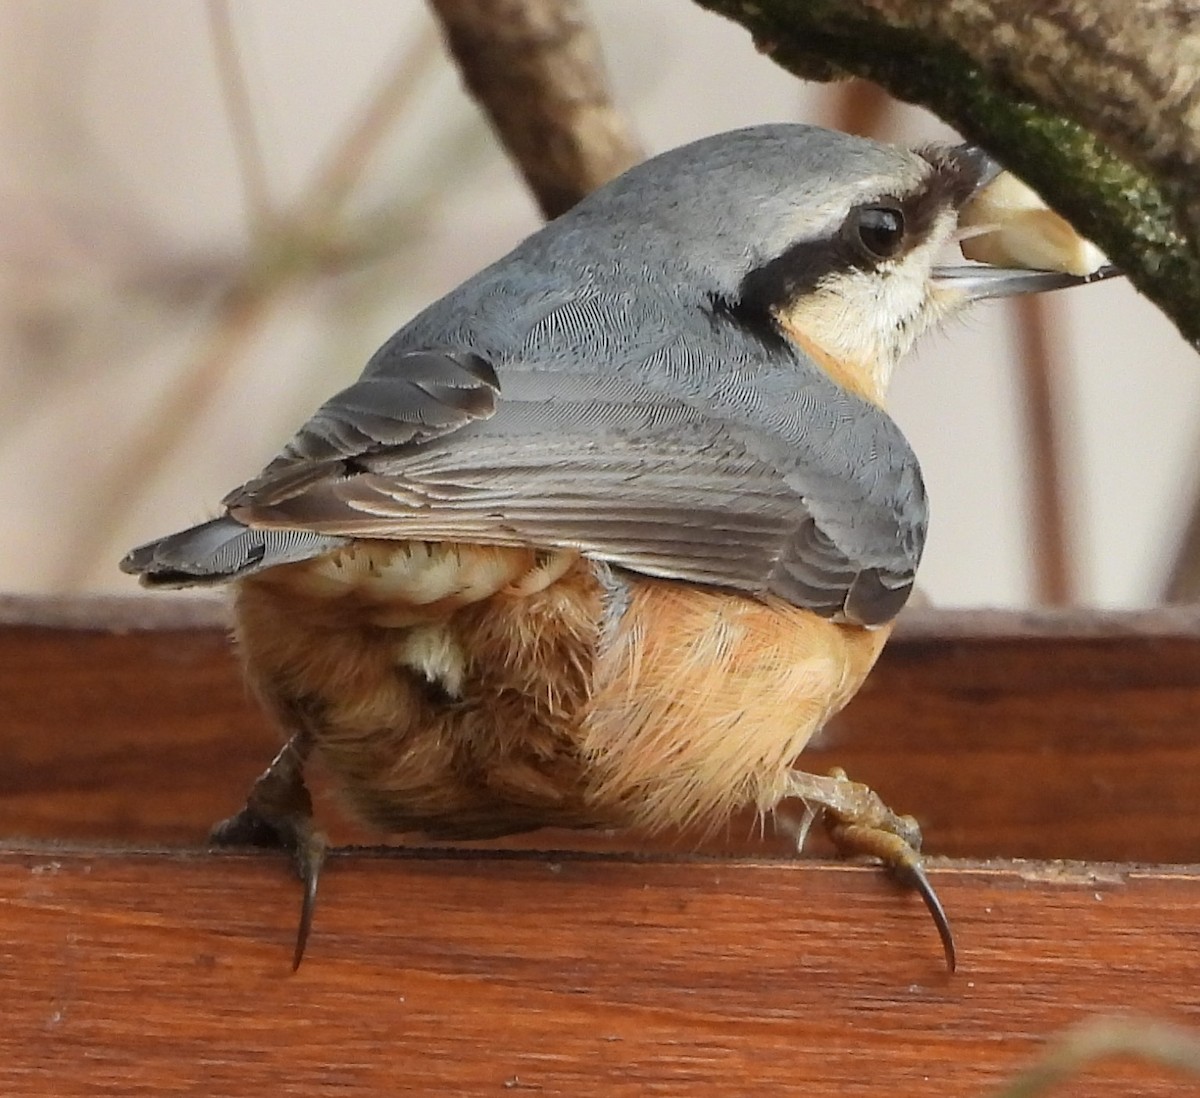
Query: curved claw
(913, 875)
(279, 812)
(310, 857)
(900, 856)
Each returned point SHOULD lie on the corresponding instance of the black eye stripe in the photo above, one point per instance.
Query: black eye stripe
(800, 268)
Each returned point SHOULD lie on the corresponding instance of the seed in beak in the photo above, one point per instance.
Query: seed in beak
(1006, 224)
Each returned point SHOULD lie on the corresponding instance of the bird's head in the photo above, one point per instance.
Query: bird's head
(829, 241)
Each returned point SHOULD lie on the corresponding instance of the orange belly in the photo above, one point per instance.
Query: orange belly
(470, 692)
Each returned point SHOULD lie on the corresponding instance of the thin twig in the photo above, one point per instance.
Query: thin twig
(236, 96)
(1049, 542)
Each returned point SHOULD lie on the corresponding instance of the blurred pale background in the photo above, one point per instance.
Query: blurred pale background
(150, 358)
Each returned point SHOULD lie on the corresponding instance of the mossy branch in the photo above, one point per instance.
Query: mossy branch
(1089, 101)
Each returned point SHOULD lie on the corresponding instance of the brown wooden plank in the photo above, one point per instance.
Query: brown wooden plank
(168, 974)
(1077, 745)
(139, 735)
(1061, 735)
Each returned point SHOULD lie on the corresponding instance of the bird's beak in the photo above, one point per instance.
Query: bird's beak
(1012, 224)
(979, 281)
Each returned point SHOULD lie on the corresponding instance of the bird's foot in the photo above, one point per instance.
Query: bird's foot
(860, 824)
(279, 813)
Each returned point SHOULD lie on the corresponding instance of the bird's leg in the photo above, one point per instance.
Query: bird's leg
(279, 813)
(859, 823)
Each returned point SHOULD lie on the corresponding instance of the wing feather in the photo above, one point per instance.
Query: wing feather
(770, 499)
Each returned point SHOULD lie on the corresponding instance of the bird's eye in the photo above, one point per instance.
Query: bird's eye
(879, 229)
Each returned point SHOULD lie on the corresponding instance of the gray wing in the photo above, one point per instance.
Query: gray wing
(757, 474)
(429, 395)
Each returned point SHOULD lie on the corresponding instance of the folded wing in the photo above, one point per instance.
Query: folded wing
(781, 485)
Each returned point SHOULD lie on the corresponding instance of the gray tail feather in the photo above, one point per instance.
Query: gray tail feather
(216, 551)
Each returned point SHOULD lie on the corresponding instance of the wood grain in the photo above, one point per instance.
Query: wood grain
(168, 973)
(1063, 735)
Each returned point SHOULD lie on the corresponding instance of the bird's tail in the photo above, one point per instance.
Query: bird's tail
(217, 551)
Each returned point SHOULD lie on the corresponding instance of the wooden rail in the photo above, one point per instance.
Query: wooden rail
(598, 964)
(1031, 736)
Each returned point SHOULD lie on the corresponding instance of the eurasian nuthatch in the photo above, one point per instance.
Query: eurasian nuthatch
(602, 537)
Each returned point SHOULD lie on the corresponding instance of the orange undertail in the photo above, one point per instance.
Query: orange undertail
(470, 692)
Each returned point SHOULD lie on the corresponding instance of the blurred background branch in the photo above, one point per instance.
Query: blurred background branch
(252, 169)
(1052, 554)
(536, 69)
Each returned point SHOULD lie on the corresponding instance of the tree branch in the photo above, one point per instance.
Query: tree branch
(1092, 102)
(536, 69)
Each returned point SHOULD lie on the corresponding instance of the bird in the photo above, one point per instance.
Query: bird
(602, 537)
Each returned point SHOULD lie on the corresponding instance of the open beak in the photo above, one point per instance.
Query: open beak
(1025, 247)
